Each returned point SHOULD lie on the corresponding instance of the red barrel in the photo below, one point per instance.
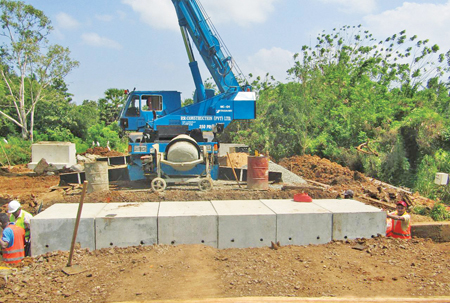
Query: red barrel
(258, 173)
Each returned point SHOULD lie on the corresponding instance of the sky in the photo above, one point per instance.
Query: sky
(131, 44)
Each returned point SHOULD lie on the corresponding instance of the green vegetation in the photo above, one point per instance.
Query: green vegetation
(390, 98)
(28, 74)
(378, 107)
(439, 212)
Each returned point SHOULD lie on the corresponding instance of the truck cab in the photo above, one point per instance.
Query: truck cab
(144, 107)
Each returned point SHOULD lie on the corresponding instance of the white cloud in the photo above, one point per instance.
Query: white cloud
(241, 12)
(66, 21)
(275, 61)
(161, 14)
(427, 21)
(105, 18)
(354, 6)
(156, 13)
(97, 41)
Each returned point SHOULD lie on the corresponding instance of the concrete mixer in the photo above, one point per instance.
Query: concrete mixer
(182, 155)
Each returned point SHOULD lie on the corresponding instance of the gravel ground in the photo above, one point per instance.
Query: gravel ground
(288, 176)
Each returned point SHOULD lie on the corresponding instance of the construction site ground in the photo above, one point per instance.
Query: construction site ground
(372, 268)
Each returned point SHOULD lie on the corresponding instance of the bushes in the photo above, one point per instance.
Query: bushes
(439, 212)
(15, 151)
(428, 167)
(104, 134)
(18, 151)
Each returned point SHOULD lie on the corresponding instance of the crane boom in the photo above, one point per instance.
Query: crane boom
(192, 20)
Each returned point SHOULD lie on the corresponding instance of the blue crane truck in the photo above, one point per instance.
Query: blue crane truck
(169, 143)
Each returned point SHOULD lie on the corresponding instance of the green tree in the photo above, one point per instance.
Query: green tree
(110, 106)
(25, 69)
(104, 134)
(84, 116)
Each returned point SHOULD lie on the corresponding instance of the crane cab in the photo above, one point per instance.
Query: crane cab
(144, 107)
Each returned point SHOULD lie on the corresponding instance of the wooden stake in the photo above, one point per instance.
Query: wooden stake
(232, 168)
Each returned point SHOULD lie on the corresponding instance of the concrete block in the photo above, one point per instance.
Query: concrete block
(127, 224)
(353, 219)
(60, 154)
(187, 223)
(52, 229)
(244, 224)
(301, 223)
(437, 231)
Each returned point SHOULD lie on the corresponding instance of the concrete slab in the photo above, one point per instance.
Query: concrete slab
(60, 154)
(52, 229)
(127, 224)
(301, 223)
(353, 219)
(437, 231)
(243, 224)
(187, 223)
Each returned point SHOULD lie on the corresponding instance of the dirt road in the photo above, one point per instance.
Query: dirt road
(380, 267)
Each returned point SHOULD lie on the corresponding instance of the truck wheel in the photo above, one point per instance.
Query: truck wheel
(205, 184)
(159, 184)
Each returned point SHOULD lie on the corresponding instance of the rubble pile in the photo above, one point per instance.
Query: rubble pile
(335, 178)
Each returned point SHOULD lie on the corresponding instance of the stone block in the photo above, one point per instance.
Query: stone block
(353, 219)
(301, 223)
(52, 229)
(127, 224)
(187, 223)
(58, 154)
(437, 231)
(244, 224)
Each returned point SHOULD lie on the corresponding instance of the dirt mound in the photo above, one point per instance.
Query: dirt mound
(102, 151)
(336, 178)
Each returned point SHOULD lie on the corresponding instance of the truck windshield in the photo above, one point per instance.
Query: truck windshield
(133, 108)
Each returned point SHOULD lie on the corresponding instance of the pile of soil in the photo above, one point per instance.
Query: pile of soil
(102, 151)
(336, 178)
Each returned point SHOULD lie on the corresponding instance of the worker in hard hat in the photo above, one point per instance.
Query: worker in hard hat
(12, 241)
(21, 218)
(399, 222)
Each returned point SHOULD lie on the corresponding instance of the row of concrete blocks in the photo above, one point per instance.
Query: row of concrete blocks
(220, 224)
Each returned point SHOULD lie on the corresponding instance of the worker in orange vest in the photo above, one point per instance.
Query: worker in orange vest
(22, 219)
(399, 222)
(12, 241)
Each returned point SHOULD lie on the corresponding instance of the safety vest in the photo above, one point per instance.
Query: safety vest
(21, 222)
(16, 252)
(395, 230)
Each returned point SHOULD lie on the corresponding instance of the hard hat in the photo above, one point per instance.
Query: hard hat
(402, 203)
(13, 206)
(302, 197)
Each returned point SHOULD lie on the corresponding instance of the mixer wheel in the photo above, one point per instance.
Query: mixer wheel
(205, 184)
(159, 184)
